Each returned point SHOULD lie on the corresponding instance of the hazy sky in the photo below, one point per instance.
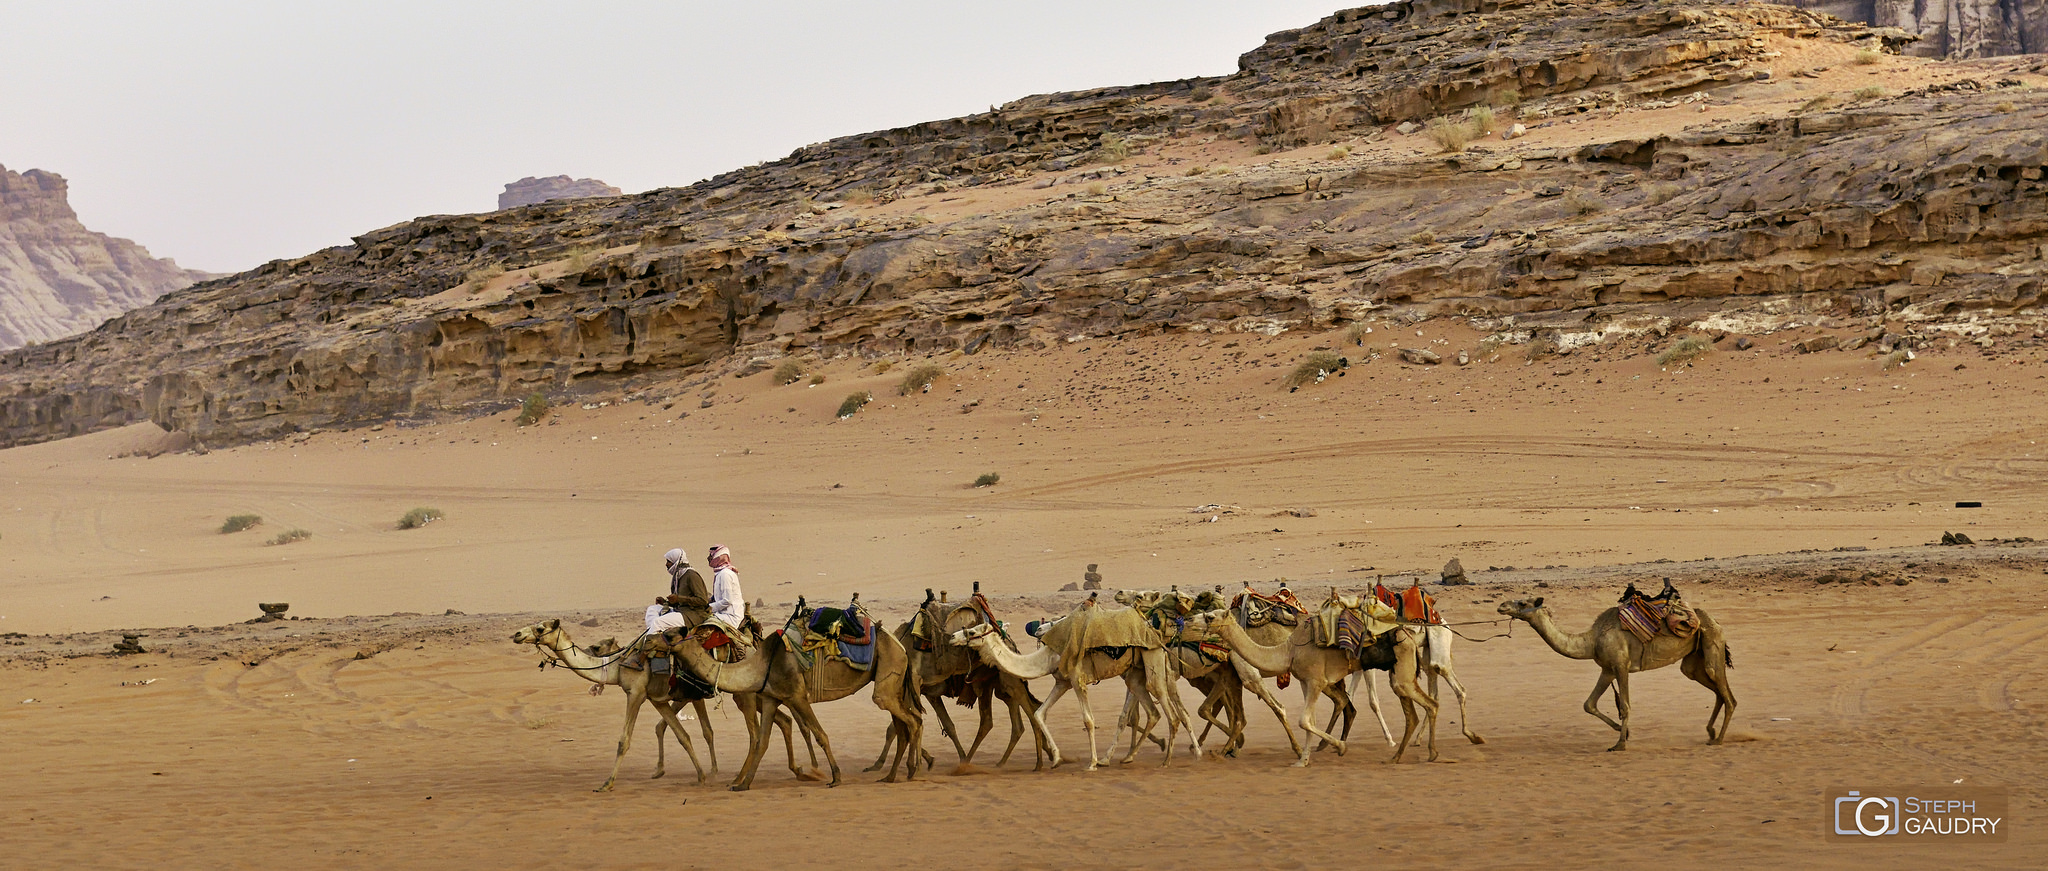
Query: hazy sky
(229, 134)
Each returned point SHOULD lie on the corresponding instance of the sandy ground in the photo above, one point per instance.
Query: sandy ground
(444, 747)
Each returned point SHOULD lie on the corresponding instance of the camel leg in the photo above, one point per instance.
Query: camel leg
(889, 740)
(633, 700)
(757, 743)
(1059, 688)
(1249, 677)
(1404, 679)
(1372, 702)
(1593, 701)
(986, 701)
(1309, 693)
(1164, 686)
(1464, 720)
(1697, 665)
(661, 747)
(1343, 708)
(1621, 709)
(667, 711)
(1088, 722)
(1016, 731)
(801, 710)
(938, 701)
(704, 724)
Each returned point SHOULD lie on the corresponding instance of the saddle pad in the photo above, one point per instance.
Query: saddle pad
(1417, 606)
(860, 656)
(1643, 617)
(838, 623)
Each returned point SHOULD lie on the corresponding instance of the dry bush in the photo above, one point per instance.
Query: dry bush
(1583, 203)
(1201, 95)
(1659, 193)
(853, 403)
(1356, 333)
(919, 377)
(1112, 147)
(419, 517)
(1894, 360)
(1195, 171)
(239, 522)
(789, 372)
(1870, 93)
(1866, 57)
(532, 409)
(1423, 236)
(1482, 119)
(482, 275)
(1096, 189)
(1684, 350)
(1449, 135)
(858, 195)
(987, 479)
(1339, 153)
(289, 536)
(2005, 107)
(1818, 103)
(817, 380)
(882, 367)
(1317, 364)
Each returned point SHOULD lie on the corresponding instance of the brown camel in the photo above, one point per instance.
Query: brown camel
(977, 684)
(1704, 657)
(608, 669)
(773, 670)
(1145, 670)
(1319, 668)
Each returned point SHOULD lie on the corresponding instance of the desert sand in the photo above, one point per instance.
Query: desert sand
(381, 732)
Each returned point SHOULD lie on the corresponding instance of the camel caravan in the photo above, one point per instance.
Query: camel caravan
(697, 652)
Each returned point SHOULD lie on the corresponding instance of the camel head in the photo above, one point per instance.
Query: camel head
(538, 631)
(1521, 609)
(1136, 598)
(979, 632)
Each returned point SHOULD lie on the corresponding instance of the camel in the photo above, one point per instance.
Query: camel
(607, 670)
(1319, 668)
(1436, 661)
(773, 671)
(1704, 657)
(1078, 673)
(1222, 684)
(1274, 634)
(934, 668)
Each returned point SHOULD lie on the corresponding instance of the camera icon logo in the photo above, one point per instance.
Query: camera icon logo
(1867, 815)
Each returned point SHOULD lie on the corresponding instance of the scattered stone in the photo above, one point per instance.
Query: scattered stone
(1420, 356)
(592, 622)
(1070, 588)
(1091, 579)
(451, 612)
(1744, 344)
(1514, 131)
(272, 611)
(129, 643)
(1854, 343)
(1817, 343)
(1300, 512)
(1407, 128)
(1464, 359)
(1454, 573)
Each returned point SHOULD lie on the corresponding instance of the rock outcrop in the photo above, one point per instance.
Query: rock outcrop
(58, 278)
(1952, 28)
(1913, 213)
(529, 190)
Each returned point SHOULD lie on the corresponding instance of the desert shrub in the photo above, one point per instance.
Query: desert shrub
(817, 380)
(1584, 203)
(882, 367)
(857, 195)
(789, 372)
(1449, 135)
(1112, 147)
(482, 275)
(1095, 189)
(419, 517)
(1356, 333)
(987, 479)
(532, 409)
(1340, 152)
(290, 535)
(1423, 236)
(1683, 350)
(1866, 57)
(1482, 118)
(1201, 95)
(1317, 364)
(1818, 103)
(1869, 93)
(1262, 148)
(919, 377)
(1195, 171)
(1661, 192)
(579, 259)
(853, 403)
(1510, 98)
(2004, 107)
(1894, 360)
(239, 522)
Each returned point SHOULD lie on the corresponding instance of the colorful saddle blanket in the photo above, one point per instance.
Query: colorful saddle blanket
(1412, 605)
(1645, 617)
(843, 634)
(1254, 609)
(1351, 622)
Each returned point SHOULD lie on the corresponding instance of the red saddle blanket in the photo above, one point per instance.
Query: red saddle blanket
(1645, 617)
(1412, 605)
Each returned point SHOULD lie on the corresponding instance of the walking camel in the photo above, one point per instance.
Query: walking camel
(1704, 657)
(1320, 668)
(1077, 670)
(774, 671)
(1436, 661)
(935, 669)
(609, 670)
(1222, 683)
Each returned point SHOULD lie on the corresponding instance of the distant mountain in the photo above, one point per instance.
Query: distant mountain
(1952, 28)
(529, 190)
(58, 278)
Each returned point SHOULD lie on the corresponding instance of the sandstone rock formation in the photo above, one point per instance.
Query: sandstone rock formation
(529, 190)
(1952, 28)
(58, 278)
(1912, 213)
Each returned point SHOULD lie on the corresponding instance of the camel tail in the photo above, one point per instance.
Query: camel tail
(1728, 656)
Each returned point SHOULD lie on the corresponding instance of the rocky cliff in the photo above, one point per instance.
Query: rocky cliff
(529, 190)
(1953, 28)
(58, 278)
(1684, 164)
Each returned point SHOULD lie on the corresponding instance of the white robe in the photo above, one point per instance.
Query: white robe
(660, 618)
(728, 605)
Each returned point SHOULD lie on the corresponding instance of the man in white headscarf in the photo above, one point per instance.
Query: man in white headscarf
(728, 605)
(686, 602)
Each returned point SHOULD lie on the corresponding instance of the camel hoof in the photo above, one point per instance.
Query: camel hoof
(1476, 739)
(1303, 763)
(1617, 748)
(657, 775)
(737, 788)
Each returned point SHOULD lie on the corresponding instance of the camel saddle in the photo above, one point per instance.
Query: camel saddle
(1666, 613)
(1253, 609)
(842, 633)
(1412, 605)
(713, 637)
(1351, 622)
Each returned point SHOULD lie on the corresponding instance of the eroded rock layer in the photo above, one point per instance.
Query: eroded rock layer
(1953, 28)
(1905, 210)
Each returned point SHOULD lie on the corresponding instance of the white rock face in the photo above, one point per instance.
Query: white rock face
(1952, 28)
(58, 278)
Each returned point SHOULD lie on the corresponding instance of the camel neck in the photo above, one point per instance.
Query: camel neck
(1035, 664)
(1576, 645)
(1270, 660)
(575, 659)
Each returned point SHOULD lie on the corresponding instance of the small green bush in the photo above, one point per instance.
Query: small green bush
(789, 372)
(853, 403)
(291, 535)
(1318, 363)
(987, 479)
(1683, 350)
(532, 409)
(919, 377)
(239, 522)
(419, 517)
(1482, 118)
